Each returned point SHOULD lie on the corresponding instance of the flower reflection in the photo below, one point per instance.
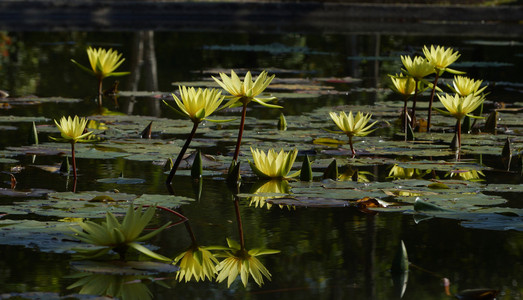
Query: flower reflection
(125, 287)
(469, 175)
(268, 190)
(351, 174)
(197, 262)
(397, 172)
(240, 261)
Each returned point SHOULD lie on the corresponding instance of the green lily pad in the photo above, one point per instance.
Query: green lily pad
(14, 119)
(46, 236)
(90, 204)
(124, 267)
(121, 180)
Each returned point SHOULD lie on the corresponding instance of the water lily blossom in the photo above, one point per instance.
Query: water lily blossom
(241, 93)
(198, 262)
(243, 262)
(103, 64)
(246, 91)
(440, 58)
(406, 86)
(459, 107)
(72, 131)
(197, 105)
(112, 234)
(353, 125)
(418, 68)
(465, 86)
(272, 164)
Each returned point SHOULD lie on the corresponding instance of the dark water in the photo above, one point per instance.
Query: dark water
(331, 253)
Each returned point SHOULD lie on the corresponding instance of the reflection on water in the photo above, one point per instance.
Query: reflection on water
(336, 253)
(125, 287)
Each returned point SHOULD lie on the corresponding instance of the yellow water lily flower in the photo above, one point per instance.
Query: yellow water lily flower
(353, 126)
(418, 67)
(272, 164)
(458, 106)
(72, 129)
(246, 91)
(112, 234)
(404, 85)
(441, 58)
(197, 262)
(103, 62)
(243, 262)
(465, 86)
(197, 104)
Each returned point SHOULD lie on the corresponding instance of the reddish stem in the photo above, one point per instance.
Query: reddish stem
(431, 99)
(182, 153)
(352, 147)
(182, 217)
(240, 132)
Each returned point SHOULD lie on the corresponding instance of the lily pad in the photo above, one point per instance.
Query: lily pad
(121, 180)
(13, 119)
(124, 267)
(47, 236)
(90, 204)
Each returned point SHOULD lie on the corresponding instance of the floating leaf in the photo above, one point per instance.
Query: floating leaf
(124, 267)
(121, 180)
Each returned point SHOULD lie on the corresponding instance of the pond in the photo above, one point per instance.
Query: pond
(465, 229)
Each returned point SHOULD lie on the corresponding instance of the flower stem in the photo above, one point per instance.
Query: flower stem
(405, 117)
(459, 135)
(182, 153)
(431, 99)
(413, 118)
(352, 147)
(100, 93)
(74, 160)
(240, 133)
